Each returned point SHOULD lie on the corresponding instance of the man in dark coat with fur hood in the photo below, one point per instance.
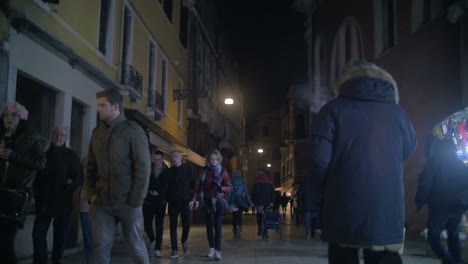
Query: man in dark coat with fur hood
(359, 142)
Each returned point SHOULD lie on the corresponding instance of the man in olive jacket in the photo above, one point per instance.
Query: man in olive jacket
(117, 178)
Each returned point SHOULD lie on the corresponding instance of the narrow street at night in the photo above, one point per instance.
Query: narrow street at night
(250, 249)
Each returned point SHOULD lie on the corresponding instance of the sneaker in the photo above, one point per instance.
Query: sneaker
(157, 253)
(174, 254)
(186, 248)
(151, 246)
(218, 255)
(211, 252)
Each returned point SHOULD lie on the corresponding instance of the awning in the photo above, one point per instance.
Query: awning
(161, 139)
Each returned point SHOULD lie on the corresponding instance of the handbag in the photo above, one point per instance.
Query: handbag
(242, 201)
(15, 205)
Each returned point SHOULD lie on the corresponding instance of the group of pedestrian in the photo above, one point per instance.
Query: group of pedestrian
(353, 185)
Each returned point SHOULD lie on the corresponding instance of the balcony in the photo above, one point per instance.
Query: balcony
(132, 81)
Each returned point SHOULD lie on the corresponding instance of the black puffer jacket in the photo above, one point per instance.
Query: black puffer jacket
(27, 157)
(52, 192)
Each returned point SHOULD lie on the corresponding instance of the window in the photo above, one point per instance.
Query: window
(167, 6)
(76, 127)
(384, 25)
(127, 42)
(183, 24)
(180, 107)
(388, 24)
(106, 26)
(152, 75)
(162, 102)
(424, 11)
(40, 102)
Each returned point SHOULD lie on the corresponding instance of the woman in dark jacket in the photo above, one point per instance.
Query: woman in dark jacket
(211, 186)
(359, 143)
(22, 153)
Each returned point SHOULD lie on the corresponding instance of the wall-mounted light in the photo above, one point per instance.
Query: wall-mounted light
(268, 165)
(229, 101)
(260, 150)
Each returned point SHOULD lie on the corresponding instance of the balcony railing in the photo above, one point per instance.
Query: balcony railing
(134, 80)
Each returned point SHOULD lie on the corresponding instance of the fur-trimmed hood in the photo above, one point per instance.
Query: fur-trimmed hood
(367, 81)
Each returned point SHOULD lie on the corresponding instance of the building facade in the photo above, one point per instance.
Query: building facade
(294, 133)
(213, 77)
(421, 43)
(55, 56)
(263, 146)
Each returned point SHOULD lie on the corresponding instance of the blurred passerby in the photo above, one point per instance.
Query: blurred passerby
(263, 195)
(443, 186)
(359, 142)
(154, 206)
(180, 181)
(117, 177)
(284, 202)
(212, 186)
(239, 201)
(53, 192)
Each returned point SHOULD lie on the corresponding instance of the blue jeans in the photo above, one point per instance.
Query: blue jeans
(214, 220)
(87, 236)
(437, 222)
(39, 234)
(104, 220)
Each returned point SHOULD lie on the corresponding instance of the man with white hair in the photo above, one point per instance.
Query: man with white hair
(53, 189)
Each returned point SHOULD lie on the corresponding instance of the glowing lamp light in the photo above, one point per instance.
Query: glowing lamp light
(229, 101)
(268, 165)
(260, 150)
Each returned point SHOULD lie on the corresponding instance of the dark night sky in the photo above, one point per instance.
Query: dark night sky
(267, 38)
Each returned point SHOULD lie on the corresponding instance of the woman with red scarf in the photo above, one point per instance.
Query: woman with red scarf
(211, 188)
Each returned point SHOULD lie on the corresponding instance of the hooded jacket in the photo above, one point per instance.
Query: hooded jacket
(239, 188)
(359, 142)
(443, 184)
(263, 190)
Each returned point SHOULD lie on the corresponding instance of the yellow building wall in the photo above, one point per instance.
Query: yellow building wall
(76, 23)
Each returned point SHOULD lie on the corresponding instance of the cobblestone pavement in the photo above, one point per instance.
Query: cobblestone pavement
(292, 248)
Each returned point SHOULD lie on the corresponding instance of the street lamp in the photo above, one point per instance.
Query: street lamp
(260, 150)
(229, 101)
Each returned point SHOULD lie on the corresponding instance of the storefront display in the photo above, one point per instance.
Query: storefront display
(455, 127)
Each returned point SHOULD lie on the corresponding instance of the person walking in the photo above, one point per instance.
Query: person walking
(263, 195)
(212, 186)
(181, 181)
(53, 192)
(154, 207)
(358, 144)
(284, 203)
(239, 201)
(443, 186)
(22, 154)
(117, 177)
